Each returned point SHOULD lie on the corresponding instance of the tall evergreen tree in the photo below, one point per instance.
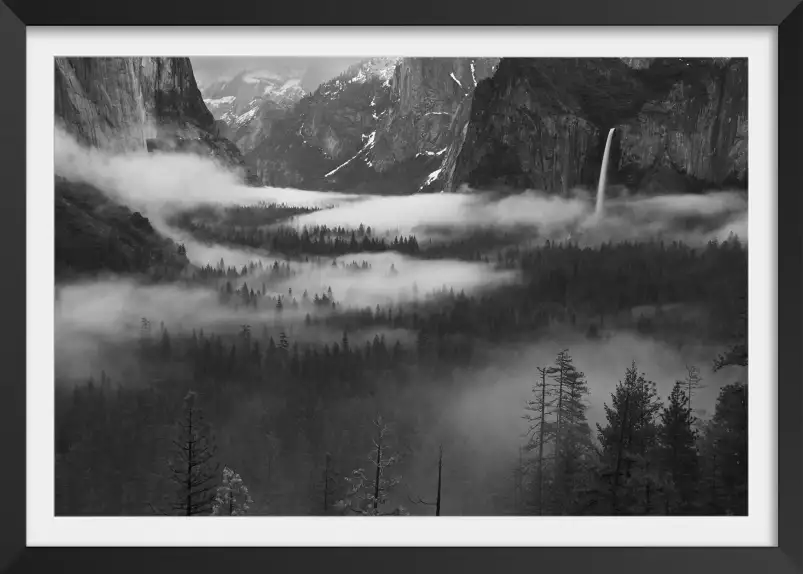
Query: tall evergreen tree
(628, 440)
(538, 434)
(724, 450)
(192, 468)
(573, 454)
(679, 459)
(692, 384)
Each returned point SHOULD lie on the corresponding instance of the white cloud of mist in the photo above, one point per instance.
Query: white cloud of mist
(692, 219)
(157, 182)
(478, 418)
(90, 312)
(444, 216)
(604, 361)
(465, 211)
(378, 286)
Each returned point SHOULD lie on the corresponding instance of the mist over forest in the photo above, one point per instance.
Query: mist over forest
(229, 348)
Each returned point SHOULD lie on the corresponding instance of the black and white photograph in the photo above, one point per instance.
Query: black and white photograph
(400, 286)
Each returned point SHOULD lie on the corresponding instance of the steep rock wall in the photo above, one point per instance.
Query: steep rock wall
(681, 125)
(124, 105)
(127, 104)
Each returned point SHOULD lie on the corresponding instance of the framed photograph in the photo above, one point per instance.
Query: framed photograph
(493, 283)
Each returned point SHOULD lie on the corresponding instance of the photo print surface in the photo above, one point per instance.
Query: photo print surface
(401, 286)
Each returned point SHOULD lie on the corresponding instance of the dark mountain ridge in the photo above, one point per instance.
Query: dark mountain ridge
(435, 124)
(680, 125)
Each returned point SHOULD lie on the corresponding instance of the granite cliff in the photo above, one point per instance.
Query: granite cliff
(433, 124)
(123, 105)
(681, 125)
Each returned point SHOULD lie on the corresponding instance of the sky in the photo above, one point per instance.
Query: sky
(320, 69)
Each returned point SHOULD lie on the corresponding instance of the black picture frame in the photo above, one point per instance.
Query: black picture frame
(15, 15)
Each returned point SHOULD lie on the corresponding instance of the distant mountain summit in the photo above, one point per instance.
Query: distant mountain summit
(231, 99)
(385, 125)
(239, 103)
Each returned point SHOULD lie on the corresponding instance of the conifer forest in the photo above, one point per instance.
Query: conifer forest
(432, 287)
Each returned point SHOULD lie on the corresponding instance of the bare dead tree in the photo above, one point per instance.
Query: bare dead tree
(367, 495)
(437, 503)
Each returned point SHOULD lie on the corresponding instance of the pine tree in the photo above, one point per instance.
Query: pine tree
(192, 468)
(575, 445)
(737, 354)
(245, 333)
(537, 432)
(144, 334)
(369, 490)
(566, 438)
(692, 384)
(628, 440)
(232, 497)
(164, 346)
(562, 373)
(725, 453)
(679, 453)
(329, 483)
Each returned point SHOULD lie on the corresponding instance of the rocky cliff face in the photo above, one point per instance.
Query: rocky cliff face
(127, 104)
(681, 125)
(425, 96)
(383, 126)
(325, 129)
(695, 136)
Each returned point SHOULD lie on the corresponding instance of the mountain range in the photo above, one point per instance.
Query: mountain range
(405, 125)
(400, 126)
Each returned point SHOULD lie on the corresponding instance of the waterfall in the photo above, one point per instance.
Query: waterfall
(602, 173)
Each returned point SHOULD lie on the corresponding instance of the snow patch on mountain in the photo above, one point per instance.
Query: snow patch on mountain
(363, 150)
(431, 178)
(219, 101)
(432, 153)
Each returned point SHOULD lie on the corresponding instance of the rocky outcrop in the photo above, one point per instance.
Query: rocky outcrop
(695, 136)
(425, 96)
(122, 104)
(681, 125)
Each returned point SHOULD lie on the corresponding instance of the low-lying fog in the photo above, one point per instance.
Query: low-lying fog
(159, 184)
(484, 410)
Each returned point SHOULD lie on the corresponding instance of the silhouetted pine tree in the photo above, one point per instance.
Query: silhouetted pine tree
(724, 453)
(628, 475)
(539, 432)
(679, 459)
(437, 502)
(191, 466)
(573, 454)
